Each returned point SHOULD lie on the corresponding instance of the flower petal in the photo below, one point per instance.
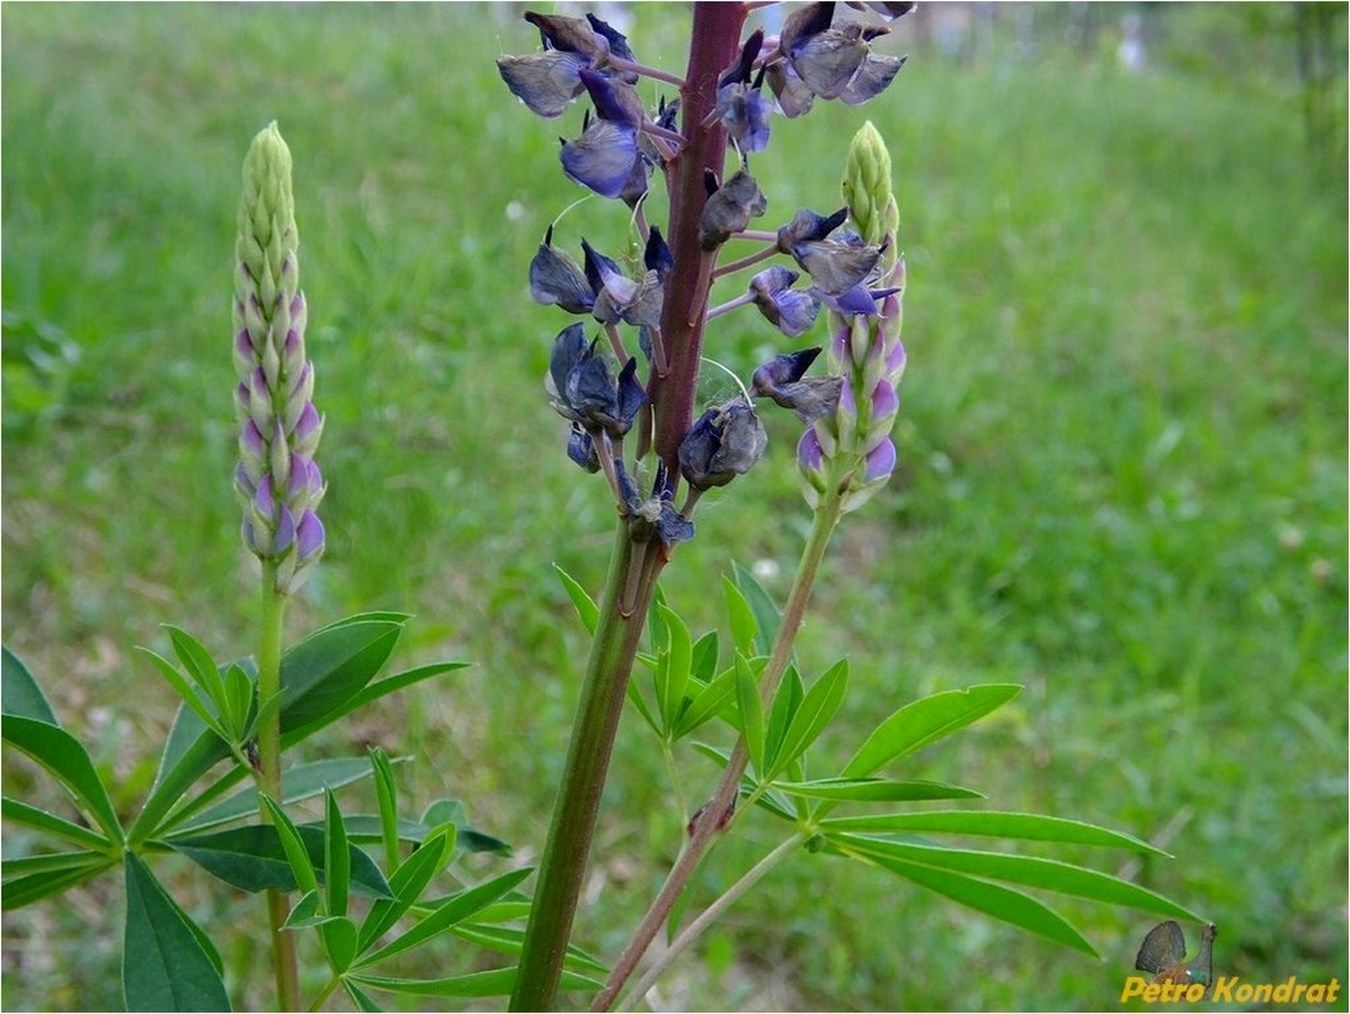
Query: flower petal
(546, 82)
(602, 157)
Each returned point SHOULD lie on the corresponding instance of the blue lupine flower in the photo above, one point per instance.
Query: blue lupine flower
(740, 105)
(605, 158)
(581, 449)
(792, 311)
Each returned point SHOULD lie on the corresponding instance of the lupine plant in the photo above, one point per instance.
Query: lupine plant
(630, 395)
(223, 796)
(624, 375)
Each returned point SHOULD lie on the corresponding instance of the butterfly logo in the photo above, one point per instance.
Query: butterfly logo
(1163, 954)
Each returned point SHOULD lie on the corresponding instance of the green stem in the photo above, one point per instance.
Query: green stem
(284, 965)
(563, 866)
(826, 516)
(707, 917)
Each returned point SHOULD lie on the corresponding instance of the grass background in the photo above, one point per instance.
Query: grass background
(1123, 482)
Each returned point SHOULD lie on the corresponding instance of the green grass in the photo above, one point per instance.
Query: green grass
(1123, 484)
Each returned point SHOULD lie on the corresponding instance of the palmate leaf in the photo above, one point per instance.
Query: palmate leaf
(498, 982)
(994, 824)
(407, 884)
(707, 703)
(329, 667)
(1029, 871)
(926, 721)
(36, 886)
(165, 965)
(48, 862)
(371, 692)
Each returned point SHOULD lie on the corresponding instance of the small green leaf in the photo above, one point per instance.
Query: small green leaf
(407, 885)
(239, 697)
(817, 709)
(328, 668)
(64, 758)
(368, 694)
(30, 816)
(703, 664)
(785, 705)
(994, 824)
(875, 790)
(673, 672)
(634, 694)
(339, 940)
(386, 793)
(359, 997)
(190, 695)
(583, 603)
(498, 982)
(917, 725)
(1002, 903)
(1029, 871)
(767, 616)
(252, 858)
(164, 965)
(337, 859)
(11, 869)
(20, 692)
(511, 941)
(301, 782)
(36, 886)
(707, 703)
(199, 665)
(751, 710)
(455, 909)
(306, 912)
(297, 856)
(744, 627)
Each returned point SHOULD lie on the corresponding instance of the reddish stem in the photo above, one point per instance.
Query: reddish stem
(713, 47)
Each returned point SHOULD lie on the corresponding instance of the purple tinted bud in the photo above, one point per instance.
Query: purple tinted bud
(298, 485)
(244, 482)
(895, 359)
(809, 453)
(885, 400)
(307, 425)
(263, 500)
(309, 536)
(285, 532)
(251, 442)
(244, 355)
(602, 158)
(880, 461)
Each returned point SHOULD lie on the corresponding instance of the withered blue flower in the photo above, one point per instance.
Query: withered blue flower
(581, 449)
(838, 262)
(723, 443)
(782, 379)
(741, 104)
(585, 391)
(605, 158)
(653, 517)
(557, 280)
(729, 209)
(546, 82)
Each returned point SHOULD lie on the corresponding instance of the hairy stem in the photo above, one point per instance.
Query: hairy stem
(563, 866)
(707, 917)
(705, 825)
(284, 966)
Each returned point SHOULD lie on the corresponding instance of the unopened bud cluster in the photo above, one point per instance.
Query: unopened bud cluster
(277, 480)
(851, 448)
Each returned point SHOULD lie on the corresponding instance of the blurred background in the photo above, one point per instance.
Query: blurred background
(1122, 481)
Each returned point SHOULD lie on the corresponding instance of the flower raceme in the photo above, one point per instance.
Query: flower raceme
(277, 479)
